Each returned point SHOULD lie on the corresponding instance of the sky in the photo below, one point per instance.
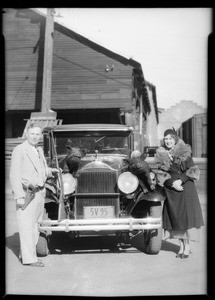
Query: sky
(169, 43)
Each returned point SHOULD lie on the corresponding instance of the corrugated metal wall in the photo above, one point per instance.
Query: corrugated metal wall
(199, 135)
(194, 133)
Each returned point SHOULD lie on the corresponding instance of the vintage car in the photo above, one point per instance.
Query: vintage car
(101, 197)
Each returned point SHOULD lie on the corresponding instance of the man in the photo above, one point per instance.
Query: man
(29, 169)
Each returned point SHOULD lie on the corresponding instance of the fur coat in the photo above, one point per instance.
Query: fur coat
(165, 160)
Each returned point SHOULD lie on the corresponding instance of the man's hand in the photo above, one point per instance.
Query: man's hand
(55, 171)
(20, 202)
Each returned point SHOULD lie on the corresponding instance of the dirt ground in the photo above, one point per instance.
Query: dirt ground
(89, 268)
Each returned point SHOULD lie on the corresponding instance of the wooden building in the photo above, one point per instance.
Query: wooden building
(90, 84)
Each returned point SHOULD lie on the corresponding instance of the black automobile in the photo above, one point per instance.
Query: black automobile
(100, 198)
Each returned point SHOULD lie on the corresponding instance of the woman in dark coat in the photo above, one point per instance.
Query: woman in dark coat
(177, 173)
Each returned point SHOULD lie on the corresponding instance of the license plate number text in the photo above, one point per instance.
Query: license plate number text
(91, 212)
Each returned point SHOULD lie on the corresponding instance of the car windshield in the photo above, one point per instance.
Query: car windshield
(103, 142)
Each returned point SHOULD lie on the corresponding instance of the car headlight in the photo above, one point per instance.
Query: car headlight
(69, 183)
(127, 182)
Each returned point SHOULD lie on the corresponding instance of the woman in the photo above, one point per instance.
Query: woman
(176, 171)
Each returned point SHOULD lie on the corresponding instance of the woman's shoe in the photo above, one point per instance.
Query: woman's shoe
(186, 253)
(180, 252)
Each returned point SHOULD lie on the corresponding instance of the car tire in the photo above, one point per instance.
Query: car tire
(42, 245)
(149, 241)
(153, 237)
(42, 248)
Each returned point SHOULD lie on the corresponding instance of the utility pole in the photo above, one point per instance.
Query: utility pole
(47, 65)
(46, 117)
(141, 123)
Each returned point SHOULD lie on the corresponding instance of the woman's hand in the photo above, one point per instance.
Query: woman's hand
(177, 185)
(179, 188)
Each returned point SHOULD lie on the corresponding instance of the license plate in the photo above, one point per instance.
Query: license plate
(93, 212)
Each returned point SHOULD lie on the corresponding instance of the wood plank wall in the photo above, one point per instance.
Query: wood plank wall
(22, 75)
(79, 79)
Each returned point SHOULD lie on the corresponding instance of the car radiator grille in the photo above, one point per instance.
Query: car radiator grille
(97, 182)
(96, 189)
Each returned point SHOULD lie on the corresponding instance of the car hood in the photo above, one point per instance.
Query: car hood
(111, 162)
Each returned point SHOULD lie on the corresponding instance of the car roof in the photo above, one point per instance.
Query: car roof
(89, 127)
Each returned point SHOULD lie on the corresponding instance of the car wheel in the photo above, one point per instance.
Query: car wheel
(42, 245)
(153, 237)
(42, 248)
(149, 241)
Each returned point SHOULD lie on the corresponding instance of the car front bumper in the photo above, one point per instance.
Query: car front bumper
(123, 224)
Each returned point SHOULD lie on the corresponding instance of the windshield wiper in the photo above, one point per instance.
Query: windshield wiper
(96, 141)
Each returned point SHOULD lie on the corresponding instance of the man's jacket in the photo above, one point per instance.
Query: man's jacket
(25, 170)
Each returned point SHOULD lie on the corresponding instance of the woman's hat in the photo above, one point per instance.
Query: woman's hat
(170, 131)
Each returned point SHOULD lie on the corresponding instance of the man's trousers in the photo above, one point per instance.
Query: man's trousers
(28, 227)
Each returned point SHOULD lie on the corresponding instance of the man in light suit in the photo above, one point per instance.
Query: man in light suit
(29, 167)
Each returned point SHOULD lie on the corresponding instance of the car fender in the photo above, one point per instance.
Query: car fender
(158, 195)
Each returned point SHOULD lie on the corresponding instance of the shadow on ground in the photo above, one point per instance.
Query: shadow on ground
(167, 246)
(60, 243)
(12, 242)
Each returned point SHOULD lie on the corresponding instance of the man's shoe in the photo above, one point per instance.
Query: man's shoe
(36, 264)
